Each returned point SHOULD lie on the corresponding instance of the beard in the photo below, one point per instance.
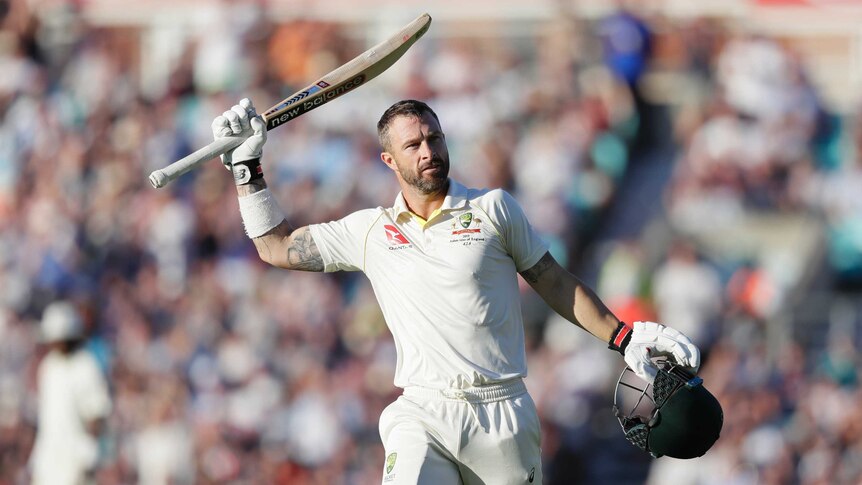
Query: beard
(432, 183)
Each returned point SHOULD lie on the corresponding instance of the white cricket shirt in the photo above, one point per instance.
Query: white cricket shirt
(72, 391)
(447, 287)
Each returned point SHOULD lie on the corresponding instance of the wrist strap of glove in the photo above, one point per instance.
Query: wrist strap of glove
(620, 338)
(246, 171)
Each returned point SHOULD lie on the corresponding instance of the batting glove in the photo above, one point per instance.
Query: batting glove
(649, 339)
(242, 120)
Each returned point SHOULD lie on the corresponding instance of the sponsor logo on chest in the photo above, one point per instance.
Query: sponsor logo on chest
(395, 238)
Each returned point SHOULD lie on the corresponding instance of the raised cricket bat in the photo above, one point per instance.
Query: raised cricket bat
(341, 81)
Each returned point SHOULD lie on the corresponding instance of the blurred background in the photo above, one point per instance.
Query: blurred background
(698, 163)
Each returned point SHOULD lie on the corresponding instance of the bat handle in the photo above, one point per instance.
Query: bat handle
(160, 178)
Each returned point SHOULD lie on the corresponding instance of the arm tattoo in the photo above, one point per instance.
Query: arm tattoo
(533, 274)
(251, 187)
(302, 252)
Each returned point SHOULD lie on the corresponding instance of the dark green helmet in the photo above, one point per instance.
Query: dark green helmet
(681, 419)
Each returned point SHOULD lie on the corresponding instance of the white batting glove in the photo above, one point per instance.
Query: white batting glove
(650, 339)
(241, 120)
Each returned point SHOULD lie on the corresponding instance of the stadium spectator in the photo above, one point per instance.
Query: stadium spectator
(74, 403)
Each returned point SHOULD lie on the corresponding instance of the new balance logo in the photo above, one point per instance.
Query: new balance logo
(394, 236)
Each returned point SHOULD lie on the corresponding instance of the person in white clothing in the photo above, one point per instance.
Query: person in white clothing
(443, 262)
(73, 403)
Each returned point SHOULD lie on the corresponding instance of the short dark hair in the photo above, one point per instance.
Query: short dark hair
(406, 107)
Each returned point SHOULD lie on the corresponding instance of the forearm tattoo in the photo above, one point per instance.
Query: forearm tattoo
(533, 274)
(302, 252)
(251, 187)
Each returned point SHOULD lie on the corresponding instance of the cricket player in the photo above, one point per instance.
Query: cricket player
(73, 403)
(443, 261)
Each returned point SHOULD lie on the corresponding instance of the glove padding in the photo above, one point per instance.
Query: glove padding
(241, 120)
(650, 339)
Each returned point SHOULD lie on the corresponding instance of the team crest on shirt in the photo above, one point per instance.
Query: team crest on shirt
(470, 230)
(468, 223)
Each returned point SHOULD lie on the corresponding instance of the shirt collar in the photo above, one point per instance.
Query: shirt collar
(456, 198)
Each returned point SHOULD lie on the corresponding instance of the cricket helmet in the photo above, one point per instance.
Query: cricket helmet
(60, 321)
(674, 416)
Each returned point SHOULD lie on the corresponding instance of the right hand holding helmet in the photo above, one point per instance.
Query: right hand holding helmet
(650, 339)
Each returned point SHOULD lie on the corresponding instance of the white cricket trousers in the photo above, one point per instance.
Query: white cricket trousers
(487, 435)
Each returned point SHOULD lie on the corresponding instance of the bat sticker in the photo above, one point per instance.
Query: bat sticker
(314, 101)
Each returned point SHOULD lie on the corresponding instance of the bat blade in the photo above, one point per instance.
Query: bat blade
(335, 84)
(350, 76)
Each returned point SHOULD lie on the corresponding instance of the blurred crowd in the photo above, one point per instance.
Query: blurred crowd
(222, 370)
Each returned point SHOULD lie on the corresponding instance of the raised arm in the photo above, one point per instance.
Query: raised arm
(283, 246)
(277, 242)
(638, 342)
